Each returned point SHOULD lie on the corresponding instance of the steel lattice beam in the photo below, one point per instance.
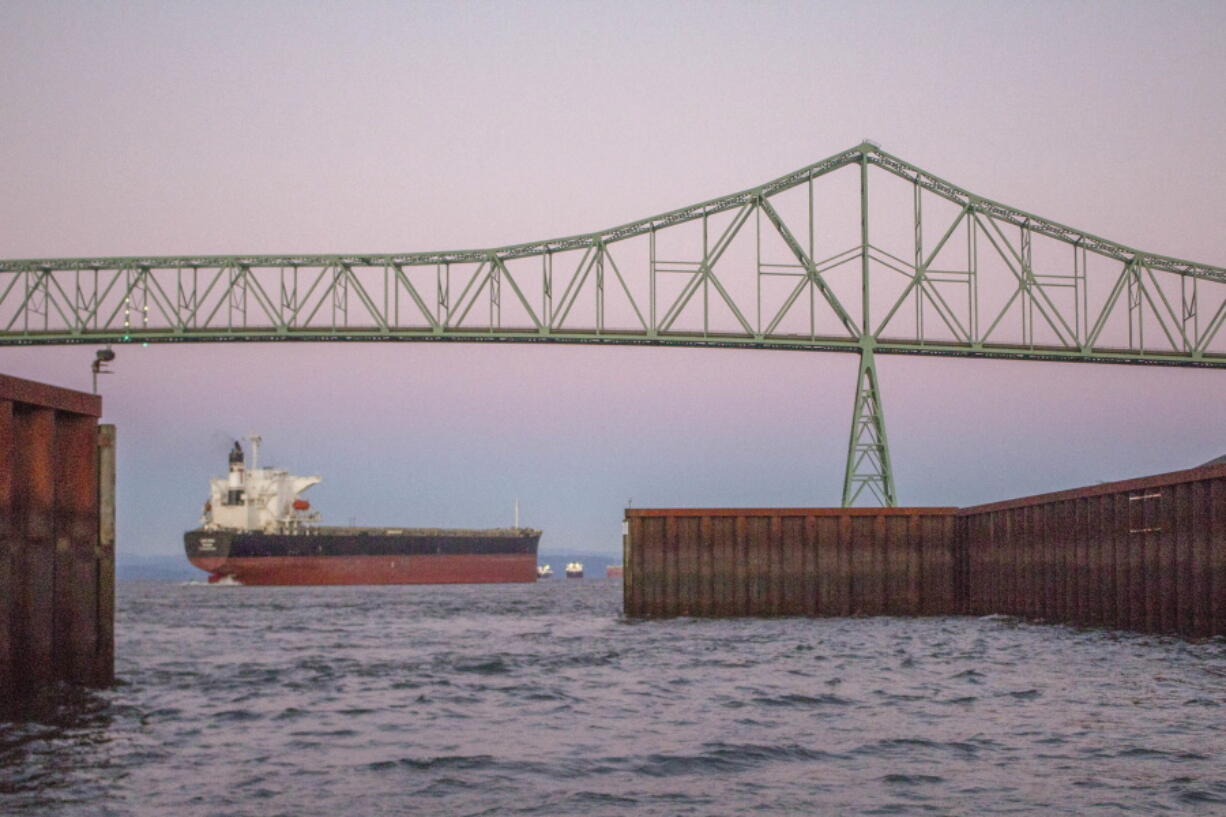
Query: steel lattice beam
(755, 269)
(395, 296)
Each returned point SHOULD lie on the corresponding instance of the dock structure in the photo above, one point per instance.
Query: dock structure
(57, 540)
(1147, 555)
(789, 561)
(1144, 554)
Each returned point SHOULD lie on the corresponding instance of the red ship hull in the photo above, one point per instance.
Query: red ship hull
(336, 570)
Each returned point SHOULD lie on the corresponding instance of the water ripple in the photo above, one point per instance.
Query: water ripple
(540, 699)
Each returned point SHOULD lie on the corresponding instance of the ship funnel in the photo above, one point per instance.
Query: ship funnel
(234, 487)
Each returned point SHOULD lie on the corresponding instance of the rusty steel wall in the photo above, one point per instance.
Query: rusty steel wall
(1146, 554)
(56, 573)
(791, 562)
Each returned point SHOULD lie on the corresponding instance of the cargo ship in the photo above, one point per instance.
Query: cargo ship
(258, 530)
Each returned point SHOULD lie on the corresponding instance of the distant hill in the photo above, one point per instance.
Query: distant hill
(1219, 461)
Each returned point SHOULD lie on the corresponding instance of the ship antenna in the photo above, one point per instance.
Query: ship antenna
(255, 440)
(516, 513)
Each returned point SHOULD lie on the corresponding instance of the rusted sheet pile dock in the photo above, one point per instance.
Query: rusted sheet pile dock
(57, 563)
(790, 562)
(1146, 555)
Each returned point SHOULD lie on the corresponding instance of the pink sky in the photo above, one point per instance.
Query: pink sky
(287, 127)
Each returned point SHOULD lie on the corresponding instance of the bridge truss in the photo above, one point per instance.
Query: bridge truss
(807, 261)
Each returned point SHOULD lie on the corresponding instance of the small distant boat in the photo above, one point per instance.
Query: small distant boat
(614, 571)
(574, 570)
(543, 571)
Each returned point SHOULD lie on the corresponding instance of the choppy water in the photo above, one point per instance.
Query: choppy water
(539, 699)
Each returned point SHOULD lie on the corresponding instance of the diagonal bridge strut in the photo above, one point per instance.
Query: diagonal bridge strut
(788, 264)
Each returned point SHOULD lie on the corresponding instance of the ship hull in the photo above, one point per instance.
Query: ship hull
(356, 557)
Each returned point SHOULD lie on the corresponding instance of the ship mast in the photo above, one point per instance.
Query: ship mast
(250, 499)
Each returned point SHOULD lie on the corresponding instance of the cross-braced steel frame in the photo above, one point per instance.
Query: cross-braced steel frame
(941, 271)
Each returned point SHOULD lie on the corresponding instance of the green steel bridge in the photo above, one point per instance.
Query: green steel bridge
(808, 261)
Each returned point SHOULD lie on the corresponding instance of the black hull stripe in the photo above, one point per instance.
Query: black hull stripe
(254, 545)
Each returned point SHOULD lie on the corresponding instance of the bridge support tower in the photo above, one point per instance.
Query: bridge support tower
(868, 451)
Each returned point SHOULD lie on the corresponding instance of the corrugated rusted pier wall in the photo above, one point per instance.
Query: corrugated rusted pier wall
(791, 562)
(57, 567)
(1145, 554)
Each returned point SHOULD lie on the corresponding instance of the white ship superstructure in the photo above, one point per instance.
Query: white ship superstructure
(257, 499)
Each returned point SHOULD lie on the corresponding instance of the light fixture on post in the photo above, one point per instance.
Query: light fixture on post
(101, 358)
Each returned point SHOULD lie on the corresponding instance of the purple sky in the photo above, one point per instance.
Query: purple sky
(176, 128)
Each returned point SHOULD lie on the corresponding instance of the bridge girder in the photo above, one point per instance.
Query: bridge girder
(803, 262)
(1180, 305)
